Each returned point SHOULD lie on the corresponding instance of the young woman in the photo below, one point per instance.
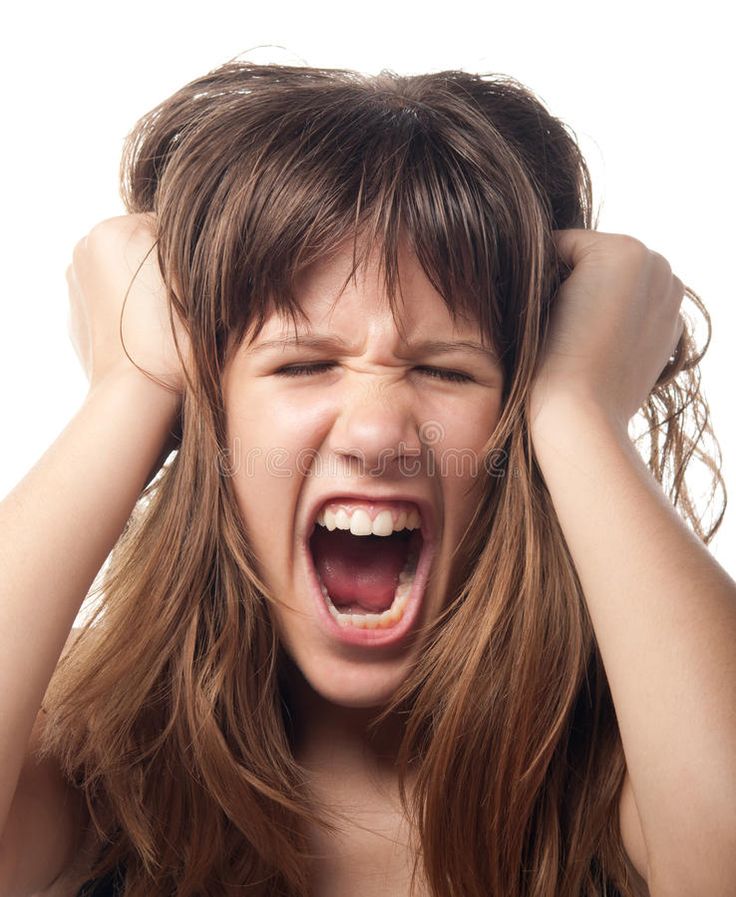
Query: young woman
(393, 600)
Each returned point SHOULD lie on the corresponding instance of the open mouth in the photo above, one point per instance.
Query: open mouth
(365, 580)
(370, 570)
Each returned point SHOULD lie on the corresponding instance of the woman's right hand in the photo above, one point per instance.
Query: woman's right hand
(104, 266)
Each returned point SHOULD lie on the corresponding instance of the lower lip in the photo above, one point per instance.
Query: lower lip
(379, 638)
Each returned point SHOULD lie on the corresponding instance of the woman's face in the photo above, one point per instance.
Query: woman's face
(372, 429)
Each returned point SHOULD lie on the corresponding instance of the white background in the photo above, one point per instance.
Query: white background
(648, 88)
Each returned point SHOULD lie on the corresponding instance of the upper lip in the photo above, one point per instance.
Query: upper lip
(425, 508)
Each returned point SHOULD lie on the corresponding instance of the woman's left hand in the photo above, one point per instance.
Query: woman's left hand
(614, 324)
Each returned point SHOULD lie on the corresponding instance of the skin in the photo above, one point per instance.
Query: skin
(666, 629)
(615, 322)
(356, 418)
(665, 619)
(114, 273)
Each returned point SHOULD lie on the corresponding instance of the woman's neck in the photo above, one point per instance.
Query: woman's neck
(336, 739)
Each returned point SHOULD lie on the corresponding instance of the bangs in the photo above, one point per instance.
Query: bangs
(260, 172)
(361, 172)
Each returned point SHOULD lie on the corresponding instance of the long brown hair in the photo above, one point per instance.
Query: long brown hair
(170, 710)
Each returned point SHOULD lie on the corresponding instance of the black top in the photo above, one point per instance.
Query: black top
(109, 885)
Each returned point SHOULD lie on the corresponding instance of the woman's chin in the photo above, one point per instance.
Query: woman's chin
(354, 685)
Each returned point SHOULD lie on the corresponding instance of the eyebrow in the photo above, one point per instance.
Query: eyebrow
(331, 343)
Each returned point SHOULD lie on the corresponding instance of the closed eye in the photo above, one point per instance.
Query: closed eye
(306, 370)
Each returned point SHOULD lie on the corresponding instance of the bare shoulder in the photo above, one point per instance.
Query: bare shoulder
(632, 835)
(46, 823)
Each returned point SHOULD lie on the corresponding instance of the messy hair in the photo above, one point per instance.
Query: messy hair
(170, 711)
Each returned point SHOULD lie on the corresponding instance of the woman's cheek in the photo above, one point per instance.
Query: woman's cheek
(466, 426)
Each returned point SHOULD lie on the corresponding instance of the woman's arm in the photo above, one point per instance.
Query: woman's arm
(57, 527)
(663, 610)
(664, 615)
(61, 521)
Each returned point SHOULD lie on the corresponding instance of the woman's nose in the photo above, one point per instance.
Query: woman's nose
(376, 427)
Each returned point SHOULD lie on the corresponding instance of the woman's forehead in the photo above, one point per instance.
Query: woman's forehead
(424, 318)
(334, 291)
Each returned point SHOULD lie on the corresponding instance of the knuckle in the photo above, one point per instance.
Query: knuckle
(678, 293)
(119, 230)
(79, 249)
(99, 231)
(631, 245)
(107, 229)
(661, 262)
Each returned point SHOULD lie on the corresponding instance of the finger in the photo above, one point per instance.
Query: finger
(680, 330)
(678, 288)
(573, 243)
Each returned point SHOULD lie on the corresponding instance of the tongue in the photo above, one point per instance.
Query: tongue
(360, 572)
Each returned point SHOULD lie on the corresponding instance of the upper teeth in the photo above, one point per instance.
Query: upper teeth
(360, 524)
